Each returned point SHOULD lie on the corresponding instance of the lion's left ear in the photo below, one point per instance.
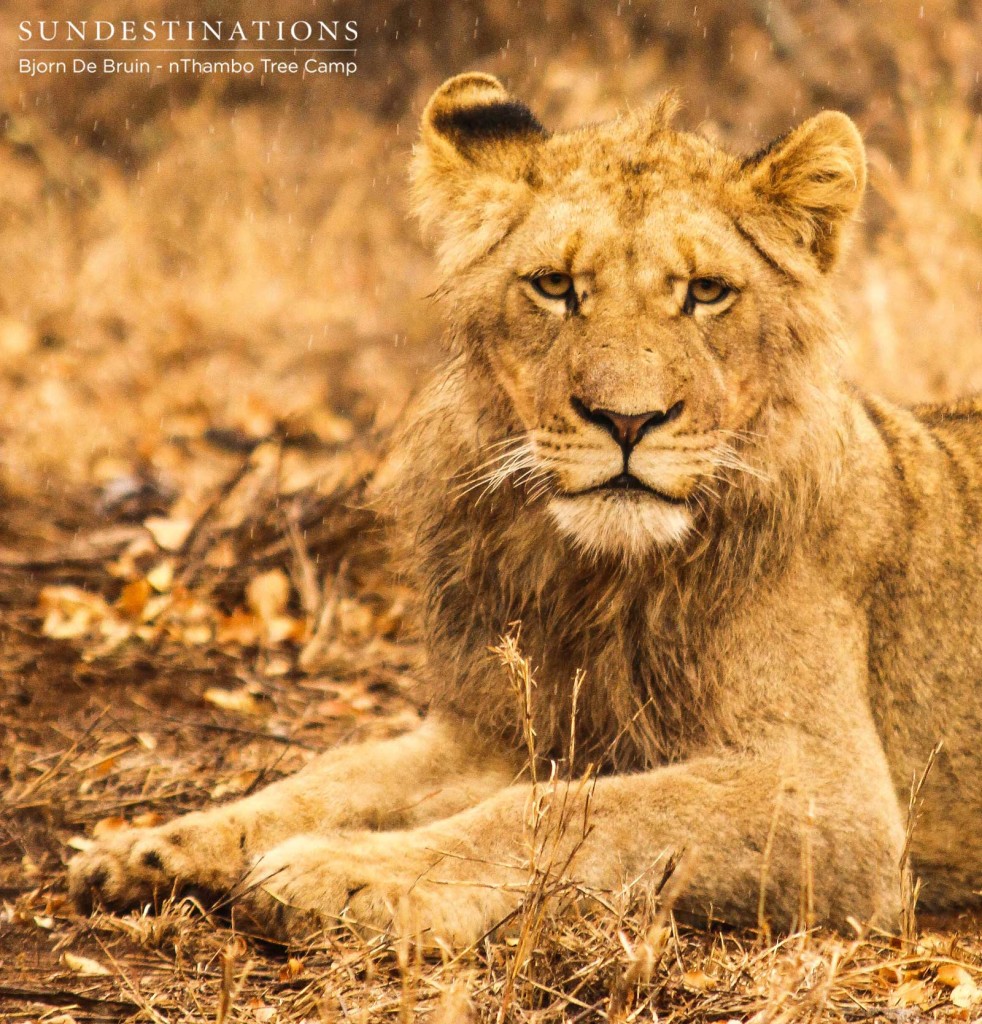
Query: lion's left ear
(469, 169)
(803, 190)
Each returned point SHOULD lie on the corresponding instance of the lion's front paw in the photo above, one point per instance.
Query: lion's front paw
(374, 883)
(136, 865)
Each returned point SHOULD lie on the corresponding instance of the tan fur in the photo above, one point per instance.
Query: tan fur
(773, 636)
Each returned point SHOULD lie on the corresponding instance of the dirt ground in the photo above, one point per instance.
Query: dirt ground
(212, 308)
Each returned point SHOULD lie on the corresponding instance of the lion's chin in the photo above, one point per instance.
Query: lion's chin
(624, 525)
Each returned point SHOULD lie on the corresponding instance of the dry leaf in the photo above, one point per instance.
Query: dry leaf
(238, 783)
(698, 981)
(196, 635)
(284, 627)
(890, 975)
(134, 598)
(222, 555)
(161, 576)
(83, 965)
(157, 604)
(953, 975)
(70, 612)
(912, 992)
(102, 768)
(148, 819)
(268, 593)
(354, 620)
(241, 700)
(327, 425)
(241, 627)
(66, 627)
(293, 968)
(965, 995)
(277, 667)
(169, 534)
(107, 826)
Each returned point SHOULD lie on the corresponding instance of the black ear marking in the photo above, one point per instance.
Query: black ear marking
(755, 158)
(487, 122)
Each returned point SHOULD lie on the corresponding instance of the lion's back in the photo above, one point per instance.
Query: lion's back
(925, 642)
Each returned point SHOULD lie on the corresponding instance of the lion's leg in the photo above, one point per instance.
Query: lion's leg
(429, 774)
(812, 844)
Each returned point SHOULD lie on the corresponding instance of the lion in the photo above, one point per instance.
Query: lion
(751, 595)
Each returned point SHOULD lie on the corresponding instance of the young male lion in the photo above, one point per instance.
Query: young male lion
(641, 449)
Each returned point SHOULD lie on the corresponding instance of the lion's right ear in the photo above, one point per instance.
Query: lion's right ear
(469, 169)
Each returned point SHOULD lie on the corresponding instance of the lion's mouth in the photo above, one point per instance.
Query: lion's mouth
(629, 483)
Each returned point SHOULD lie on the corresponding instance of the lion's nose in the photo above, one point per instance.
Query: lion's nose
(626, 428)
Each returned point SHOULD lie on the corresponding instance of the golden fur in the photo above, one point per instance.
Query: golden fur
(771, 583)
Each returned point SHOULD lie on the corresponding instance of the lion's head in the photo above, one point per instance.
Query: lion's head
(634, 295)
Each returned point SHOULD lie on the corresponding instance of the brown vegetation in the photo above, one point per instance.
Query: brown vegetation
(212, 306)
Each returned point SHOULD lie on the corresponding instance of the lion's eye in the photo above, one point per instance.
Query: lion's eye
(553, 286)
(706, 290)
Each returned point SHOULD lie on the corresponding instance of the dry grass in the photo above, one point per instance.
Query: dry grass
(212, 305)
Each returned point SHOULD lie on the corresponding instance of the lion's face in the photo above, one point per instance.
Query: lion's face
(625, 288)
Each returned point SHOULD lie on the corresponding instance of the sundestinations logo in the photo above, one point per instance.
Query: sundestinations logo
(175, 46)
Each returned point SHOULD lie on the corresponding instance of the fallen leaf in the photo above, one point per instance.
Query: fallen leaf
(70, 612)
(157, 604)
(354, 620)
(240, 700)
(268, 593)
(328, 426)
(912, 992)
(293, 968)
(59, 626)
(965, 995)
(102, 768)
(134, 598)
(890, 975)
(148, 819)
(84, 965)
(197, 634)
(241, 627)
(277, 667)
(238, 783)
(284, 627)
(698, 981)
(161, 576)
(169, 534)
(953, 975)
(107, 826)
(222, 555)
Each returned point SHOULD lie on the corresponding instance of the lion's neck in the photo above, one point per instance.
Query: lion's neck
(637, 631)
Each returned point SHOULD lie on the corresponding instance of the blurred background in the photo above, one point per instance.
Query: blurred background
(192, 264)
